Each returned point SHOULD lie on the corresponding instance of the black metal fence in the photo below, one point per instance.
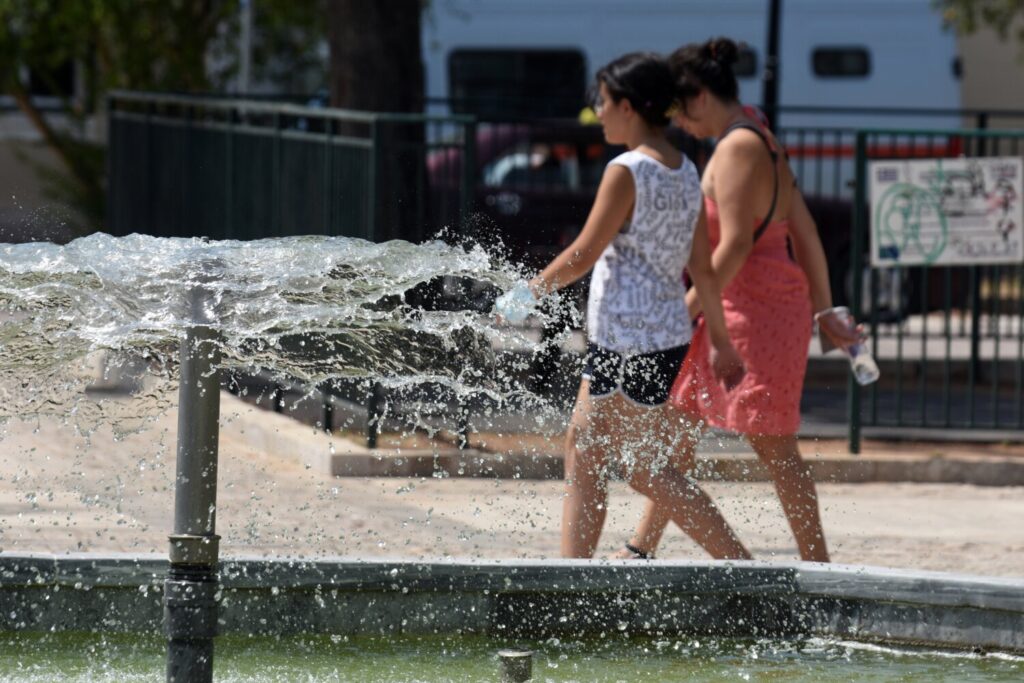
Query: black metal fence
(949, 338)
(237, 169)
(955, 358)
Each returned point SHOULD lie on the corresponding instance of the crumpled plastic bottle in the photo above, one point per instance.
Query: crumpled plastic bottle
(516, 304)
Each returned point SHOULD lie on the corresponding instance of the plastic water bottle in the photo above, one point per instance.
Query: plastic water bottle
(864, 368)
(516, 304)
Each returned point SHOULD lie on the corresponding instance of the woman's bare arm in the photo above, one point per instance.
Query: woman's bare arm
(727, 363)
(737, 169)
(810, 254)
(614, 201)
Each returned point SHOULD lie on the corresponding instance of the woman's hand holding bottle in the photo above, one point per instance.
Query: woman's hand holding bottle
(835, 330)
(838, 329)
(516, 305)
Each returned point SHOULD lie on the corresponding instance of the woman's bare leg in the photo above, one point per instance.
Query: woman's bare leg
(652, 525)
(796, 491)
(648, 532)
(586, 490)
(694, 512)
(651, 441)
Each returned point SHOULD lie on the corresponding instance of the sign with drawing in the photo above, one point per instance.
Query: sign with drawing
(946, 211)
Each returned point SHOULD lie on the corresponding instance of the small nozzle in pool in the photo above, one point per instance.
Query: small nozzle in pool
(516, 665)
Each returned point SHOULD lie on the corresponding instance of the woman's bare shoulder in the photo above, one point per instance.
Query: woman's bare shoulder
(740, 144)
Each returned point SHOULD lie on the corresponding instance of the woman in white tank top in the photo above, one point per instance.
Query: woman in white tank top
(646, 225)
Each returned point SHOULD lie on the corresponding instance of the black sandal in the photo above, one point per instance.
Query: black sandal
(638, 554)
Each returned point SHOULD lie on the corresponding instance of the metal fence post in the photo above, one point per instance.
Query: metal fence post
(372, 212)
(327, 200)
(190, 603)
(189, 173)
(467, 186)
(974, 367)
(467, 183)
(373, 414)
(275, 191)
(230, 230)
(372, 185)
(860, 226)
(151, 205)
(113, 147)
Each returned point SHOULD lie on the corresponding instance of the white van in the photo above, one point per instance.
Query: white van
(833, 53)
(537, 58)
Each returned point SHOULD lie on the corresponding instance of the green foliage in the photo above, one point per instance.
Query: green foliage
(157, 45)
(288, 40)
(967, 16)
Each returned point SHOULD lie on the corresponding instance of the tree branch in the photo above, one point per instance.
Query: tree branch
(50, 137)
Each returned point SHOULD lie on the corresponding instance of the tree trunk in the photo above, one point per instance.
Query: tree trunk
(376, 57)
(377, 65)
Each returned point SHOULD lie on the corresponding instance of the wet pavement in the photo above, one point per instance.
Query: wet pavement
(61, 493)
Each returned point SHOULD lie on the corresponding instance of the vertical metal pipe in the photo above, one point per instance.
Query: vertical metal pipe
(198, 412)
(190, 605)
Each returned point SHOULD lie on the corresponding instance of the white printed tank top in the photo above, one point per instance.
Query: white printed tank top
(637, 299)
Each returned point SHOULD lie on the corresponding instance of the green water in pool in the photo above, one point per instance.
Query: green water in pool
(74, 657)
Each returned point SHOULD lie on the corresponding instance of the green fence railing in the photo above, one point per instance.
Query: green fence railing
(242, 169)
(954, 358)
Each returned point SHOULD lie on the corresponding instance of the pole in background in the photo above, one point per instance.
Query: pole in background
(857, 245)
(770, 94)
(245, 47)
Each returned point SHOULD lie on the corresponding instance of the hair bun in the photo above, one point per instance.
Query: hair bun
(722, 50)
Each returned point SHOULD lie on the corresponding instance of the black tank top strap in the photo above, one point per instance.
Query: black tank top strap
(775, 170)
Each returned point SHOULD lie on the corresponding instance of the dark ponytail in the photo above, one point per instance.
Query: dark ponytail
(644, 79)
(705, 65)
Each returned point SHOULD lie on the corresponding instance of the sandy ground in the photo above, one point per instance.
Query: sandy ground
(61, 492)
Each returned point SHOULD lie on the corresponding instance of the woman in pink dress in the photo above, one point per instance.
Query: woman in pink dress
(753, 208)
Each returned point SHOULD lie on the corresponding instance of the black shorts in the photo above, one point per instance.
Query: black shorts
(644, 378)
